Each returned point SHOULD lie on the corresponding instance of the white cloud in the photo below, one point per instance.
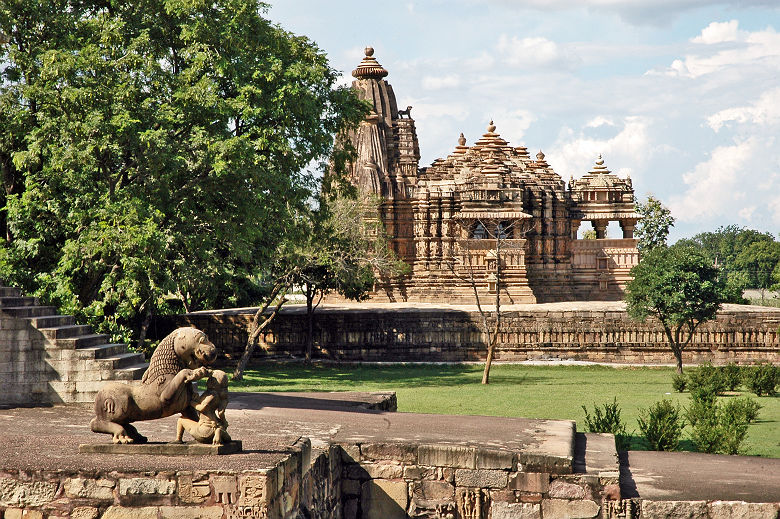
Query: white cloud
(718, 32)
(514, 124)
(746, 48)
(716, 186)
(439, 82)
(529, 51)
(599, 121)
(575, 153)
(764, 111)
(774, 209)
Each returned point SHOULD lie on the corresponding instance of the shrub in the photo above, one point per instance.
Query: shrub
(606, 419)
(679, 382)
(747, 408)
(732, 427)
(720, 428)
(762, 380)
(732, 376)
(661, 425)
(708, 378)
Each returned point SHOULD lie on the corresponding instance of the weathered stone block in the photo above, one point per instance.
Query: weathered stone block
(483, 478)
(25, 493)
(428, 490)
(193, 488)
(563, 509)
(350, 453)
(383, 470)
(147, 487)
(495, 459)
(383, 499)
(124, 512)
(447, 456)
(350, 487)
(501, 510)
(101, 489)
(530, 481)
(676, 509)
(351, 509)
(191, 512)
(226, 487)
(564, 490)
(742, 510)
(254, 490)
(417, 473)
(403, 452)
(84, 512)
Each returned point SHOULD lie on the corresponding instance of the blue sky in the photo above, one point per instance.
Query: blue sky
(682, 95)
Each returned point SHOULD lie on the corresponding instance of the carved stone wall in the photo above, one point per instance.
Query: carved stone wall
(431, 335)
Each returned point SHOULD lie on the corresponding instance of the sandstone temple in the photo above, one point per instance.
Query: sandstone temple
(489, 215)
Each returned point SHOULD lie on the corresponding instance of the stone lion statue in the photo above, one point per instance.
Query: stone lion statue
(165, 388)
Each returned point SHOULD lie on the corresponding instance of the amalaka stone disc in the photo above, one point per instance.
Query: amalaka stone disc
(162, 449)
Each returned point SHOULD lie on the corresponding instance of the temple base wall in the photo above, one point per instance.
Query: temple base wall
(420, 333)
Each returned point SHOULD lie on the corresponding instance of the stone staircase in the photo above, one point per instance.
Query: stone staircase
(78, 361)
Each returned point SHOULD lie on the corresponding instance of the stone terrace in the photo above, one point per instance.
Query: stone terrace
(332, 456)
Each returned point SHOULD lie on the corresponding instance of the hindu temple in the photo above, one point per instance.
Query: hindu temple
(488, 217)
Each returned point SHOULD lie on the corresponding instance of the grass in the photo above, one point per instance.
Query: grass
(554, 392)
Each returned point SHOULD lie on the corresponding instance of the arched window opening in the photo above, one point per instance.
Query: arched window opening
(479, 232)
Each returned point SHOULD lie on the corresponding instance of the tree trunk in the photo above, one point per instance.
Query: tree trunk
(493, 338)
(309, 322)
(257, 328)
(144, 327)
(678, 356)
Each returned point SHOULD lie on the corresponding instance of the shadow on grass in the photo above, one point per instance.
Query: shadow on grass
(282, 377)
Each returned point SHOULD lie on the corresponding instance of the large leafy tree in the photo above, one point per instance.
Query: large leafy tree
(724, 246)
(653, 229)
(154, 149)
(758, 261)
(680, 287)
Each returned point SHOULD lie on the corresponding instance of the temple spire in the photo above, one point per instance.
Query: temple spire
(369, 68)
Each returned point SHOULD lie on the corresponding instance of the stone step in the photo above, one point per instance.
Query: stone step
(83, 341)
(29, 311)
(10, 292)
(51, 321)
(18, 301)
(66, 331)
(134, 372)
(102, 351)
(122, 360)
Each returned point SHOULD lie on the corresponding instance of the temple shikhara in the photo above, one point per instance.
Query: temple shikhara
(488, 215)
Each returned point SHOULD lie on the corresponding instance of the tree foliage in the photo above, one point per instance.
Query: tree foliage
(156, 153)
(755, 250)
(653, 229)
(680, 287)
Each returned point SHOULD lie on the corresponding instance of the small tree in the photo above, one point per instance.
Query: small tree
(655, 224)
(680, 287)
(342, 254)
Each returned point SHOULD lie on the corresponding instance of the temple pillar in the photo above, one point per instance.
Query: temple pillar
(601, 228)
(628, 228)
(575, 226)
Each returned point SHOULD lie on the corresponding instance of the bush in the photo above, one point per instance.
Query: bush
(762, 380)
(720, 429)
(707, 378)
(606, 419)
(732, 376)
(732, 427)
(679, 382)
(661, 426)
(747, 408)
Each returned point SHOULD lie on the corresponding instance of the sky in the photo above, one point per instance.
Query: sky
(682, 95)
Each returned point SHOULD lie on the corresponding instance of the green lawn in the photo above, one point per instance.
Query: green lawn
(515, 390)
